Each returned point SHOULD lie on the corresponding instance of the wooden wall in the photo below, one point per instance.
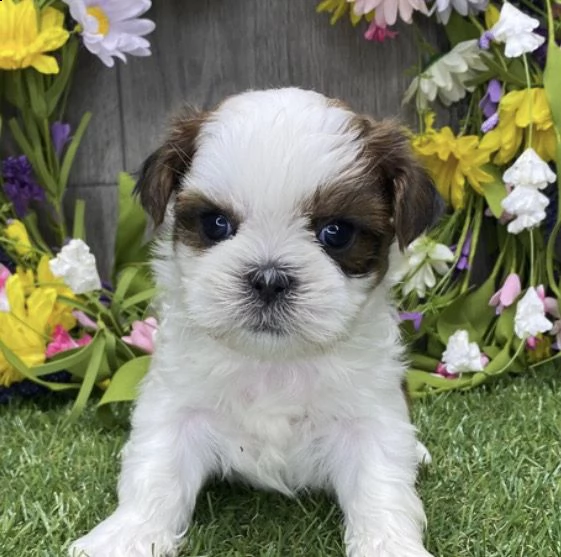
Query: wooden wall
(204, 50)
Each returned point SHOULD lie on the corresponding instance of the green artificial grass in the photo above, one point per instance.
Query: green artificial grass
(494, 488)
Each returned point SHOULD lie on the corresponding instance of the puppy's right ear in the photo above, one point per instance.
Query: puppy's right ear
(162, 171)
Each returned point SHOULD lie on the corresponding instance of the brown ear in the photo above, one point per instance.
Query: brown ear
(416, 203)
(162, 171)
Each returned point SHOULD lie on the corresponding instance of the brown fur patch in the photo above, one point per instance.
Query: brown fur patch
(190, 206)
(163, 170)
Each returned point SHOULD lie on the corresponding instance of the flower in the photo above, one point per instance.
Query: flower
(62, 341)
(60, 134)
(423, 257)
(489, 105)
(76, 265)
(84, 320)
(448, 76)
(17, 234)
(529, 170)
(461, 355)
(463, 261)
(25, 327)
(143, 334)
(379, 33)
(451, 161)
(530, 318)
(518, 110)
(111, 28)
(19, 186)
(5, 274)
(414, 316)
(27, 34)
(388, 10)
(463, 7)
(515, 30)
(527, 205)
(505, 296)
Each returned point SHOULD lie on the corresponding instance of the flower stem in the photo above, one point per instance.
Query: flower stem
(532, 259)
(529, 86)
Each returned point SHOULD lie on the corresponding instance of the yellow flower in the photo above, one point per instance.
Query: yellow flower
(518, 110)
(492, 15)
(24, 329)
(27, 34)
(17, 234)
(338, 8)
(452, 161)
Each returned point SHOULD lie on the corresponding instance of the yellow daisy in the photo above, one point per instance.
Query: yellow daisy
(27, 34)
(452, 161)
(518, 110)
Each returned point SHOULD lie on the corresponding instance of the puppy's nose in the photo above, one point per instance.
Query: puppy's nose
(269, 283)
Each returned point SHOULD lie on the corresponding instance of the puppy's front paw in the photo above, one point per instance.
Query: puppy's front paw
(370, 547)
(121, 537)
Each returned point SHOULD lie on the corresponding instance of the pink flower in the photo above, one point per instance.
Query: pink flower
(143, 334)
(388, 10)
(379, 33)
(62, 341)
(505, 296)
(550, 305)
(84, 320)
(4, 276)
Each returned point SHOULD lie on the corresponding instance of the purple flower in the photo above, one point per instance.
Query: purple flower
(19, 185)
(485, 40)
(413, 316)
(463, 262)
(60, 133)
(490, 101)
(490, 123)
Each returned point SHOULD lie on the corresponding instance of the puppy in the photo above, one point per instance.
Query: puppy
(278, 357)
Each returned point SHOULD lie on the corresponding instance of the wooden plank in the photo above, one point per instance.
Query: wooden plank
(206, 50)
(101, 154)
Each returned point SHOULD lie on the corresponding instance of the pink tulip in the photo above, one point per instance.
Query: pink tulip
(143, 334)
(505, 296)
(84, 320)
(62, 341)
(550, 305)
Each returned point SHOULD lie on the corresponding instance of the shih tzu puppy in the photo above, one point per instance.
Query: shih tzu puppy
(278, 357)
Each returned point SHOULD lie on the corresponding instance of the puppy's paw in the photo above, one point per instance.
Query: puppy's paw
(372, 547)
(118, 537)
(423, 455)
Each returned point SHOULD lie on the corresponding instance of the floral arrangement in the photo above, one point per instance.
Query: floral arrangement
(480, 295)
(61, 327)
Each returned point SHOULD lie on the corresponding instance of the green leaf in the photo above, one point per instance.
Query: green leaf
(425, 363)
(71, 153)
(504, 330)
(495, 191)
(131, 226)
(470, 311)
(498, 363)
(90, 377)
(124, 384)
(36, 89)
(79, 227)
(459, 29)
(552, 81)
(62, 79)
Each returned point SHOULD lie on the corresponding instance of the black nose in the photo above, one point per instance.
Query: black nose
(269, 283)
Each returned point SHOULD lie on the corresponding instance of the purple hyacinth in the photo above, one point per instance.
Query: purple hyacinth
(60, 134)
(19, 184)
(489, 105)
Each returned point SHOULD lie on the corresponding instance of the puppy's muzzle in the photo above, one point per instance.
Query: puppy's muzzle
(270, 284)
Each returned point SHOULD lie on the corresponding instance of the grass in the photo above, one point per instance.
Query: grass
(494, 488)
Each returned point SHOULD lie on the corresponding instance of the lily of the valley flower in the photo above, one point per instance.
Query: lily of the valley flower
(423, 257)
(461, 355)
(76, 265)
(505, 296)
(112, 28)
(525, 203)
(463, 7)
(143, 334)
(530, 319)
(516, 30)
(448, 76)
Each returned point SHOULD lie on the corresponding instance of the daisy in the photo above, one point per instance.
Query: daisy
(111, 28)
(388, 10)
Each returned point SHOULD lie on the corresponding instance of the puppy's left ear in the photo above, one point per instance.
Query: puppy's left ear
(417, 205)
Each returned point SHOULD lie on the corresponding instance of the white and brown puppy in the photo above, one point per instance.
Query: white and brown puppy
(278, 359)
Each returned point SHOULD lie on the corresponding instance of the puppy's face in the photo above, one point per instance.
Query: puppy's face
(283, 206)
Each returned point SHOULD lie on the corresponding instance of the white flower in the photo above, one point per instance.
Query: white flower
(111, 28)
(530, 318)
(463, 7)
(448, 76)
(422, 258)
(529, 170)
(76, 265)
(527, 205)
(461, 355)
(515, 29)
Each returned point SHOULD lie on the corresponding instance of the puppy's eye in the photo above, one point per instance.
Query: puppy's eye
(216, 226)
(337, 234)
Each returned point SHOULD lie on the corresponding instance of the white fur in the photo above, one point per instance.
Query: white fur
(320, 407)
